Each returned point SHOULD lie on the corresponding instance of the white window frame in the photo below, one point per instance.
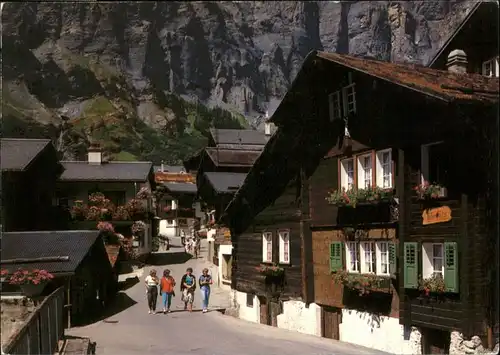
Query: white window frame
(282, 234)
(428, 257)
(349, 246)
(380, 169)
(379, 258)
(349, 99)
(174, 204)
(362, 171)
(367, 247)
(494, 70)
(335, 104)
(344, 174)
(424, 161)
(267, 247)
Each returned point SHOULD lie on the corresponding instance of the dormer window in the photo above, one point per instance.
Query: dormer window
(343, 102)
(490, 68)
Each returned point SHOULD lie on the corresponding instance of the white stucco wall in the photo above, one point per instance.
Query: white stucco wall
(224, 250)
(250, 314)
(168, 230)
(376, 332)
(298, 318)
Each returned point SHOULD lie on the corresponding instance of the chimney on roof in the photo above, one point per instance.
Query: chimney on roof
(95, 154)
(162, 167)
(267, 125)
(457, 61)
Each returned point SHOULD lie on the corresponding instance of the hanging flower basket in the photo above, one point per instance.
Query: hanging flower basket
(32, 290)
(354, 196)
(428, 191)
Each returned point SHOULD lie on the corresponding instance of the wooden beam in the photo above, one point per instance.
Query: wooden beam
(35, 260)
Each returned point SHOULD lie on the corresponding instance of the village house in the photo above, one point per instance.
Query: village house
(220, 170)
(30, 168)
(177, 207)
(127, 185)
(77, 260)
(363, 265)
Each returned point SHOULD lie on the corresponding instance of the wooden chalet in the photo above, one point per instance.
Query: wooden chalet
(177, 206)
(30, 168)
(380, 131)
(77, 259)
(119, 181)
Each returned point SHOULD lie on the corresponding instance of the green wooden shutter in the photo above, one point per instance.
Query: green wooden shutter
(410, 265)
(336, 259)
(393, 252)
(451, 267)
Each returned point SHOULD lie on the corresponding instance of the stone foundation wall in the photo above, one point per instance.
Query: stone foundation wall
(297, 317)
(460, 346)
(378, 332)
(14, 312)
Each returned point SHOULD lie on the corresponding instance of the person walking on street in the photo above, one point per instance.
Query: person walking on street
(152, 290)
(167, 284)
(188, 285)
(205, 282)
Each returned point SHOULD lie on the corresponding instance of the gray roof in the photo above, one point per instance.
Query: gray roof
(225, 182)
(18, 153)
(136, 171)
(169, 168)
(181, 187)
(238, 136)
(28, 245)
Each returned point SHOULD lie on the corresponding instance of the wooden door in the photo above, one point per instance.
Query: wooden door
(435, 341)
(331, 318)
(264, 311)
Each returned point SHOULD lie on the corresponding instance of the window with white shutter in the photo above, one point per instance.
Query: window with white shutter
(284, 239)
(267, 247)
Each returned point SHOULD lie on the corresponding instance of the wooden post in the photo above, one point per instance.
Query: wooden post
(68, 305)
(490, 338)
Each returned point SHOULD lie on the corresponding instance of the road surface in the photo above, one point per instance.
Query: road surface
(133, 331)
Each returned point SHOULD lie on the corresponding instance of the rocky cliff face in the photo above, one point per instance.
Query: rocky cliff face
(241, 56)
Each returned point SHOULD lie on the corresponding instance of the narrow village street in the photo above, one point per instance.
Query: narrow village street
(134, 331)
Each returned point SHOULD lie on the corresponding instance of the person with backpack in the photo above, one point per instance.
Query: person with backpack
(188, 285)
(167, 284)
(205, 282)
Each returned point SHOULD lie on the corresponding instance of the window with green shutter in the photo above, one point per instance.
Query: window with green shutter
(336, 260)
(450, 267)
(410, 267)
(393, 252)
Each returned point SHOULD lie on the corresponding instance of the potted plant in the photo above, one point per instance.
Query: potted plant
(273, 274)
(135, 209)
(4, 275)
(31, 282)
(79, 211)
(120, 214)
(428, 191)
(433, 284)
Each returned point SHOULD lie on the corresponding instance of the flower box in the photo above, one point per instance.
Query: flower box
(433, 284)
(427, 191)
(355, 197)
(364, 283)
(31, 290)
(271, 270)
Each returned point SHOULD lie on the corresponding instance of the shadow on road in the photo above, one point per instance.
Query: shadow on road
(121, 302)
(128, 283)
(169, 258)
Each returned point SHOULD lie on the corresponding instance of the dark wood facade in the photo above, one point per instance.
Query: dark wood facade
(27, 195)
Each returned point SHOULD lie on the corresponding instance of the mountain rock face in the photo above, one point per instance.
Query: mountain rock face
(241, 56)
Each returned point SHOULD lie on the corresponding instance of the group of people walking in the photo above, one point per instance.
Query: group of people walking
(166, 287)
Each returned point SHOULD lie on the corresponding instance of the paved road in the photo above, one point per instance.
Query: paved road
(133, 331)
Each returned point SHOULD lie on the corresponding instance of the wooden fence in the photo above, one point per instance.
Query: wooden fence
(43, 328)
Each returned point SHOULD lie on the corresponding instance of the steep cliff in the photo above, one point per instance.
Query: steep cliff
(137, 75)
